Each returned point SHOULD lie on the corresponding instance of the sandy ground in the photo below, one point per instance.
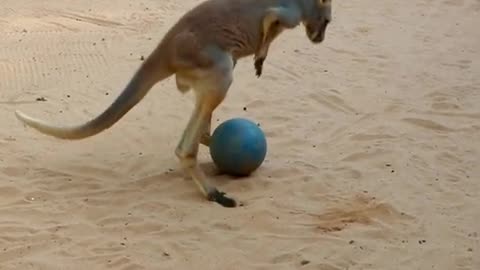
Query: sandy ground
(373, 136)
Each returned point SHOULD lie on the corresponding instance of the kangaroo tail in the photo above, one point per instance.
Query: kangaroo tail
(150, 72)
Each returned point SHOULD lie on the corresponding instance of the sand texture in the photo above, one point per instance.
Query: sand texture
(374, 144)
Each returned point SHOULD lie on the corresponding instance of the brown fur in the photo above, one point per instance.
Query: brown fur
(201, 50)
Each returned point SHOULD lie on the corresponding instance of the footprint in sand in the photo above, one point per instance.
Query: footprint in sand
(361, 210)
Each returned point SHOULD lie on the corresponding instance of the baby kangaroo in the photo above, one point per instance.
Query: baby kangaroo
(201, 50)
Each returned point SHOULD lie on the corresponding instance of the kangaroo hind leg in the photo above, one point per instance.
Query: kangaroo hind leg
(210, 90)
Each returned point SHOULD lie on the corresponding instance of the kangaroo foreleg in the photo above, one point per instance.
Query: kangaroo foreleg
(274, 22)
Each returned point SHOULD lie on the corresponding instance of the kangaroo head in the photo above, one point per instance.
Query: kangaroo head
(317, 15)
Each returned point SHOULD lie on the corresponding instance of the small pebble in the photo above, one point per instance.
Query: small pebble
(304, 262)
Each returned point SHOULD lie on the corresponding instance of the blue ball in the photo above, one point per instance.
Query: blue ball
(238, 147)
